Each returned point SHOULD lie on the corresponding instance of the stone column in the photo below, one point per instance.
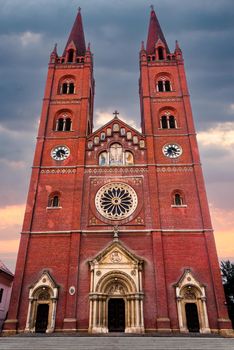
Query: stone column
(90, 315)
(29, 316)
(206, 328)
(142, 316)
(132, 313)
(94, 313)
(180, 317)
(137, 310)
(53, 316)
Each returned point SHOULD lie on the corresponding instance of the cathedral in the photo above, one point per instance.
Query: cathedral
(117, 235)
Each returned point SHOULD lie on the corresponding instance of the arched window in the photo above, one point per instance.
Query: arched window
(71, 88)
(160, 53)
(54, 201)
(63, 124)
(178, 200)
(67, 87)
(164, 122)
(172, 123)
(64, 88)
(168, 122)
(167, 85)
(68, 124)
(59, 124)
(160, 86)
(164, 85)
(70, 56)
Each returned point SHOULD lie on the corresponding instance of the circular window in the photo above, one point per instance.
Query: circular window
(116, 201)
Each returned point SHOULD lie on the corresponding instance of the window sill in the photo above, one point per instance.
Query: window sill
(179, 206)
(53, 208)
(168, 128)
(63, 130)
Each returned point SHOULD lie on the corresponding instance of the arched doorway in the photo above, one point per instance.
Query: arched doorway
(42, 318)
(192, 317)
(116, 315)
(191, 305)
(42, 305)
(116, 296)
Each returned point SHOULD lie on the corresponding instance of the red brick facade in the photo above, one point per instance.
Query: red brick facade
(171, 238)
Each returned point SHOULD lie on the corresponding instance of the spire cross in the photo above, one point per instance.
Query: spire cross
(79, 8)
(116, 113)
(152, 7)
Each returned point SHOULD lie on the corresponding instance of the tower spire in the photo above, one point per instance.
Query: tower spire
(154, 33)
(77, 36)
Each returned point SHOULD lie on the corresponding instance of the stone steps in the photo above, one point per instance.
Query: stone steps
(115, 343)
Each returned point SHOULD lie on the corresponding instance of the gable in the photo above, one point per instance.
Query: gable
(116, 253)
(116, 130)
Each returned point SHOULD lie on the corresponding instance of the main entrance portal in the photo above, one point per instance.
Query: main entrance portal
(116, 295)
(116, 315)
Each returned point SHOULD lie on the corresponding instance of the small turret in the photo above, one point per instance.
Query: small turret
(54, 55)
(178, 51)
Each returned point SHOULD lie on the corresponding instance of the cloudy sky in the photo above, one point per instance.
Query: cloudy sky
(115, 28)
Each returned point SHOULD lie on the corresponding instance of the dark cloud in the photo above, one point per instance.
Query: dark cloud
(204, 28)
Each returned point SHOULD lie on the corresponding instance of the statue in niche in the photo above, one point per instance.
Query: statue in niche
(129, 158)
(116, 154)
(103, 159)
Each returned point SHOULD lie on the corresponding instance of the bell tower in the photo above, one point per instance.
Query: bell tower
(181, 225)
(56, 181)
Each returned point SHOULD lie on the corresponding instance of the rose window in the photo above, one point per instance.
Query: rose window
(116, 201)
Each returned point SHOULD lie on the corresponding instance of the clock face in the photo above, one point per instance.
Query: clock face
(60, 152)
(172, 150)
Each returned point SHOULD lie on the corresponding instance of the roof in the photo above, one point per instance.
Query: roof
(77, 36)
(155, 33)
(121, 123)
(5, 269)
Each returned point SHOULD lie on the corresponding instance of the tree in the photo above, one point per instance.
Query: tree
(227, 270)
